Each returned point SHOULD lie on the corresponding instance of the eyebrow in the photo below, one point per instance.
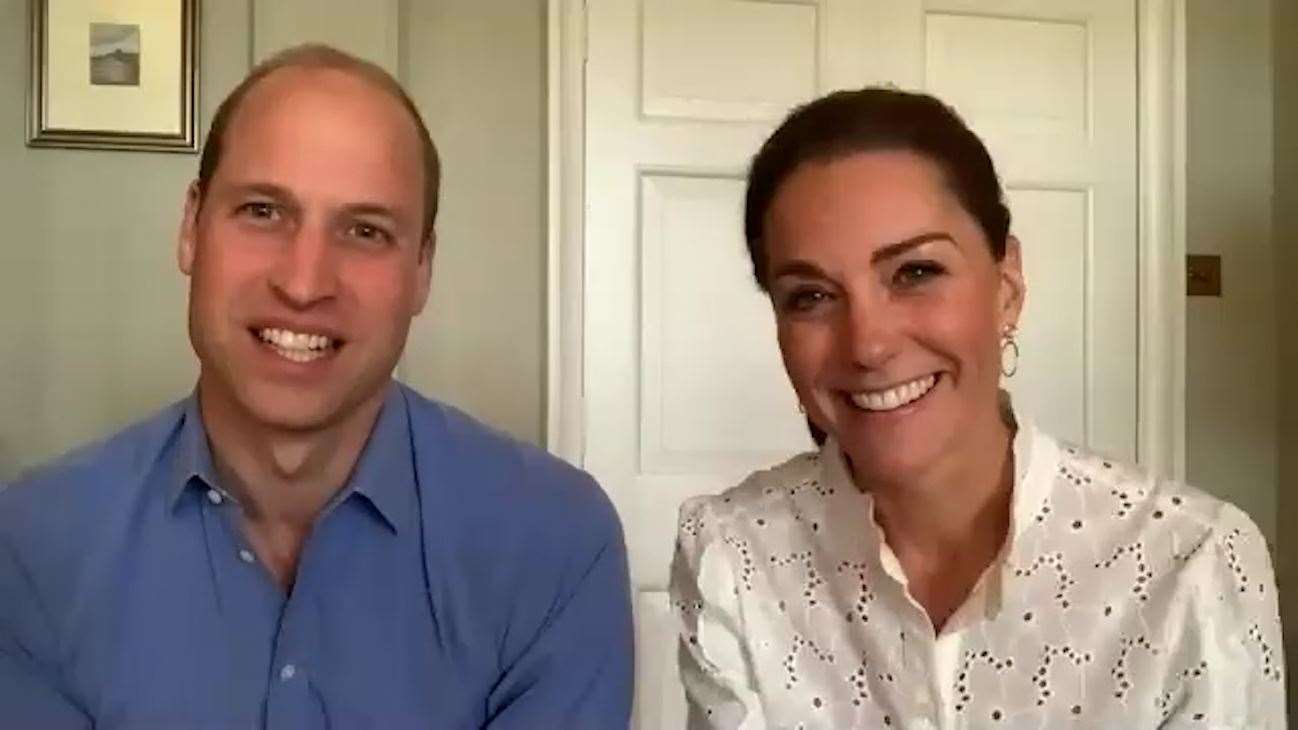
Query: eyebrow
(893, 250)
(269, 190)
(373, 209)
(802, 267)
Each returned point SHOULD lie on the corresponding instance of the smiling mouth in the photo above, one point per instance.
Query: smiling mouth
(895, 397)
(299, 347)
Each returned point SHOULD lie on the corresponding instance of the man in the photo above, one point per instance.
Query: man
(305, 543)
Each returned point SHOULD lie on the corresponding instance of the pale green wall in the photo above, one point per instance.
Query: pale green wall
(93, 325)
(1231, 410)
(478, 69)
(1284, 32)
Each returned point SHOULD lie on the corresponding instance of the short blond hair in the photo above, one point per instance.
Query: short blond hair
(320, 56)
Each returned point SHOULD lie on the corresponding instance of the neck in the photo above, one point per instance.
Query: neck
(956, 509)
(282, 476)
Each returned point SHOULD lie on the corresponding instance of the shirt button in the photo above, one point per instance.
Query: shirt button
(247, 556)
(214, 496)
(288, 672)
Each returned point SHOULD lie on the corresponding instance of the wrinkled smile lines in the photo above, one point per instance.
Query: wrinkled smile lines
(895, 397)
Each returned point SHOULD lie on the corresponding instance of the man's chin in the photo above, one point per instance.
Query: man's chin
(294, 415)
(281, 408)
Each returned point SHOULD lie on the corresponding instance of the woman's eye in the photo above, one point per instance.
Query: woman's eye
(917, 272)
(805, 300)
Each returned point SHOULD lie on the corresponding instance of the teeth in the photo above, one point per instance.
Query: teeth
(296, 346)
(895, 397)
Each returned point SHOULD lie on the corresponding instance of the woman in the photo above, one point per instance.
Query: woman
(939, 562)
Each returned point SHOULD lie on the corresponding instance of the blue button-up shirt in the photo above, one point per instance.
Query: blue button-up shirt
(460, 580)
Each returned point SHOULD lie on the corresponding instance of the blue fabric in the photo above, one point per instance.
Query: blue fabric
(460, 580)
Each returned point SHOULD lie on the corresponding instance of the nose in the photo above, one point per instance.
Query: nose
(870, 334)
(306, 273)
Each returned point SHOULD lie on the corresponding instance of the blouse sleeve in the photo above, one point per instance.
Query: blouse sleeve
(715, 670)
(1239, 623)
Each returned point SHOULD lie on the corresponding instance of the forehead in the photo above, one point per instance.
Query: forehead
(860, 203)
(323, 131)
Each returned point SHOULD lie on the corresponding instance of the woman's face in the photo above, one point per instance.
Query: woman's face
(890, 309)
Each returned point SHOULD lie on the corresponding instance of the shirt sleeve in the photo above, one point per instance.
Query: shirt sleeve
(29, 691)
(579, 671)
(719, 689)
(1238, 619)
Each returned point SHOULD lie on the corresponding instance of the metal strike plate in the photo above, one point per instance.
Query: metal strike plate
(1203, 276)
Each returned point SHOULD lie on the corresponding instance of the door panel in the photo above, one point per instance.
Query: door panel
(732, 60)
(706, 360)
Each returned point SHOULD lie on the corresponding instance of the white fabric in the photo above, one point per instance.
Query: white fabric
(1119, 602)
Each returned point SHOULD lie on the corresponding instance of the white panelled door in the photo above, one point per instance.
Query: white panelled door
(683, 388)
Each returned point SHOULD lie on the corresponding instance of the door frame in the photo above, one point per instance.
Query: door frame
(1161, 165)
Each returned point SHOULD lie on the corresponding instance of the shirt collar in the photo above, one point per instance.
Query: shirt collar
(834, 473)
(384, 474)
(194, 464)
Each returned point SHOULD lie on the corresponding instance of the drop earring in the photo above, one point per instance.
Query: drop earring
(1009, 351)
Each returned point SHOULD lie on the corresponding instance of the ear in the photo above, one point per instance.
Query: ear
(424, 272)
(1013, 290)
(187, 240)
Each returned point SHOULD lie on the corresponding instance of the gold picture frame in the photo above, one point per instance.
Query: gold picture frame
(114, 74)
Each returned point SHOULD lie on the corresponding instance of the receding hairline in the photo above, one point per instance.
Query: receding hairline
(356, 69)
(295, 79)
(319, 57)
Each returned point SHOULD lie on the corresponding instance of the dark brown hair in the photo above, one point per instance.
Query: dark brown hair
(319, 56)
(876, 119)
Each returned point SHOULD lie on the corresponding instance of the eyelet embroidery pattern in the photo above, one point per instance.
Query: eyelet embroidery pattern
(971, 659)
(791, 658)
(1063, 581)
(1270, 669)
(747, 569)
(1042, 675)
(1133, 553)
(1121, 670)
(1087, 627)
(860, 610)
(805, 561)
(1169, 700)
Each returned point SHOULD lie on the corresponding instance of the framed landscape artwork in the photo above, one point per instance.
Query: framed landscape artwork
(114, 74)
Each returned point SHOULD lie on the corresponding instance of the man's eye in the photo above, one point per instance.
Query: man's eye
(260, 210)
(369, 232)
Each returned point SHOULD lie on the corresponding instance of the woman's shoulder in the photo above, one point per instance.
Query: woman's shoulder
(1133, 488)
(1140, 508)
(763, 492)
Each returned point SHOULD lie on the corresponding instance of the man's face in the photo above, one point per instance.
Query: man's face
(305, 252)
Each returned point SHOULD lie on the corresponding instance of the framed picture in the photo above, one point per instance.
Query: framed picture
(114, 74)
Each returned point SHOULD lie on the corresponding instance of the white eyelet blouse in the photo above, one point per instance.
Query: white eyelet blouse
(1120, 601)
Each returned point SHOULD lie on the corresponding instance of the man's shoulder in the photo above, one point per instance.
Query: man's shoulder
(477, 471)
(86, 483)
